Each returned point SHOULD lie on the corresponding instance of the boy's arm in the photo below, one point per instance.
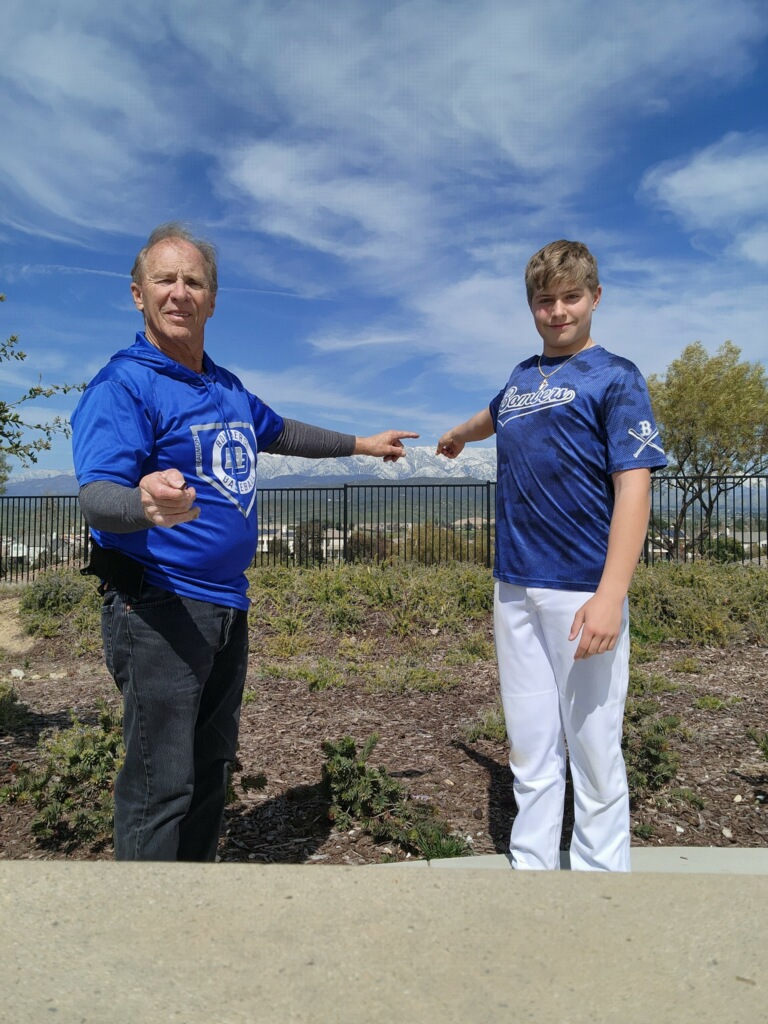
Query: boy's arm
(599, 619)
(478, 428)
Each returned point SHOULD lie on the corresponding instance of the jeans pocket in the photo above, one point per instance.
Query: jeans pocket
(153, 597)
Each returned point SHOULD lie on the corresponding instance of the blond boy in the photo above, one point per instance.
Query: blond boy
(576, 443)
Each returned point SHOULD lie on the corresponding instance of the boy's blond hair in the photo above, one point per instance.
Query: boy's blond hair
(561, 261)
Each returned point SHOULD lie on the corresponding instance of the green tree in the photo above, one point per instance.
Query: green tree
(4, 471)
(13, 429)
(308, 543)
(366, 546)
(713, 415)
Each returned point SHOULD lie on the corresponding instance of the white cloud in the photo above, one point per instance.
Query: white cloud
(721, 189)
(476, 330)
(344, 126)
(79, 114)
(753, 245)
(50, 269)
(310, 194)
(313, 397)
(717, 188)
(346, 341)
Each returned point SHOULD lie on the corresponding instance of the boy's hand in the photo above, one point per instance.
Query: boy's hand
(449, 446)
(599, 622)
(477, 428)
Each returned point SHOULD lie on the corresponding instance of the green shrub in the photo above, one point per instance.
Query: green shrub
(57, 592)
(475, 590)
(285, 645)
(702, 602)
(372, 799)
(489, 725)
(62, 601)
(687, 796)
(402, 675)
(344, 615)
(761, 739)
(429, 544)
(471, 647)
(651, 763)
(709, 702)
(644, 684)
(687, 665)
(72, 788)
(725, 549)
(643, 831)
(646, 744)
(322, 675)
(367, 546)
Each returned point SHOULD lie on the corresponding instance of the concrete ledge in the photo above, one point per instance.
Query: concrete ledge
(708, 860)
(103, 943)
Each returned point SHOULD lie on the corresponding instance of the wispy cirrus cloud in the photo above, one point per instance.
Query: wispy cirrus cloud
(343, 130)
(364, 340)
(720, 189)
(11, 271)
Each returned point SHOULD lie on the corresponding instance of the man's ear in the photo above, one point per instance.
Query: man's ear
(136, 293)
(596, 297)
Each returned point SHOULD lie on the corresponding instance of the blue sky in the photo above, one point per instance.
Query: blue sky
(375, 175)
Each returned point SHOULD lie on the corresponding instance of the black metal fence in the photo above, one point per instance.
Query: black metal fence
(36, 533)
(724, 518)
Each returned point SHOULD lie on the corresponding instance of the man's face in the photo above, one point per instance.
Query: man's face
(174, 296)
(563, 317)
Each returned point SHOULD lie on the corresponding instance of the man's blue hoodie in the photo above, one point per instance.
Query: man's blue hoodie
(145, 412)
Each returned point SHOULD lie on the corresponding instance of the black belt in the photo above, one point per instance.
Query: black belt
(115, 569)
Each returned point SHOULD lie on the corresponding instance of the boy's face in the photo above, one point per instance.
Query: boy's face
(562, 313)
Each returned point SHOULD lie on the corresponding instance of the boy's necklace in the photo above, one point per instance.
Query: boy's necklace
(551, 373)
(559, 366)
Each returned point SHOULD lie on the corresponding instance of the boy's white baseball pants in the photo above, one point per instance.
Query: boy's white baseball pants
(550, 699)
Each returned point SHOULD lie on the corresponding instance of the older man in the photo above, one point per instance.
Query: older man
(165, 447)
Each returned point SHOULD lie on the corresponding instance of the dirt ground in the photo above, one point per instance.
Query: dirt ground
(717, 799)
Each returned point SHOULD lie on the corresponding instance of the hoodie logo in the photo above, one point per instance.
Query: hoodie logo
(225, 456)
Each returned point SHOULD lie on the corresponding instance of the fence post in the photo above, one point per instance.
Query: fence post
(488, 524)
(344, 547)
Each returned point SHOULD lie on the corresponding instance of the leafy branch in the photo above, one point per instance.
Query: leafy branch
(13, 428)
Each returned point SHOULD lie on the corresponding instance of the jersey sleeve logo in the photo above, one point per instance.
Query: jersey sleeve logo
(225, 458)
(646, 435)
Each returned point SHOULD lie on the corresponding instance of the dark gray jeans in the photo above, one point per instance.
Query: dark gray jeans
(180, 665)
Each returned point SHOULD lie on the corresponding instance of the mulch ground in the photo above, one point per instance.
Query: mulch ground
(717, 799)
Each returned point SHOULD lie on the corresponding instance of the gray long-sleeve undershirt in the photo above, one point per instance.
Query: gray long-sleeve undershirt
(117, 509)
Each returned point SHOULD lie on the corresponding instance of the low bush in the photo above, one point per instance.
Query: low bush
(71, 788)
(61, 602)
(701, 602)
(489, 725)
(761, 739)
(371, 799)
(651, 762)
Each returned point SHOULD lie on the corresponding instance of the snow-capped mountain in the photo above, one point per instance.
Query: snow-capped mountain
(291, 471)
(37, 474)
(419, 463)
(33, 483)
